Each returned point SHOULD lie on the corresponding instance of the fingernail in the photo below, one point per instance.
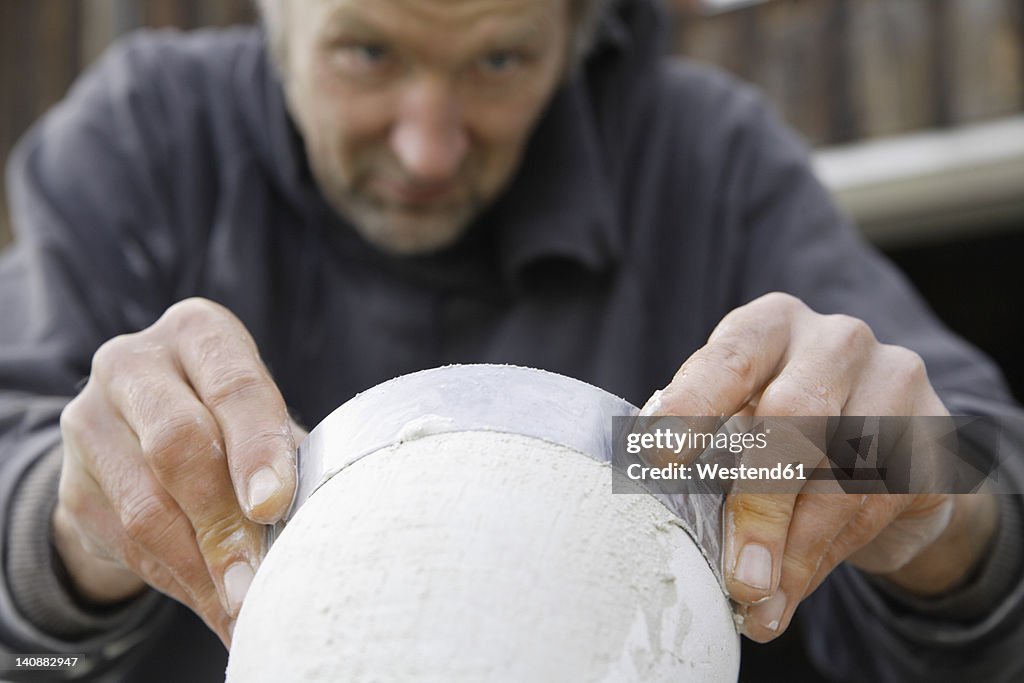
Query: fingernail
(237, 579)
(769, 615)
(754, 566)
(653, 404)
(263, 484)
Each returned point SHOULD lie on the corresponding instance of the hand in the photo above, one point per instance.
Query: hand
(776, 357)
(177, 450)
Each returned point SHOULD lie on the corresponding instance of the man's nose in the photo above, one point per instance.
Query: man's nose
(429, 137)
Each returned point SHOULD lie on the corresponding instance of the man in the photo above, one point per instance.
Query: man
(415, 183)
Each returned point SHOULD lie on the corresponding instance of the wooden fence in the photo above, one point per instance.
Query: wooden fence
(839, 70)
(842, 70)
(45, 44)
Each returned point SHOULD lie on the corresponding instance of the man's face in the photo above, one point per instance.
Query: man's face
(415, 113)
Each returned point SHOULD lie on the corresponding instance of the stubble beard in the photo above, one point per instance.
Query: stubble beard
(396, 229)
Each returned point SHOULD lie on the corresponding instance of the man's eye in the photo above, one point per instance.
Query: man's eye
(371, 54)
(362, 58)
(500, 61)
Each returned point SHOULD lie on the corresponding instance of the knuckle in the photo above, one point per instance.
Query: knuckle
(732, 358)
(260, 442)
(176, 438)
(232, 382)
(193, 313)
(147, 520)
(111, 354)
(219, 532)
(773, 308)
(75, 501)
(865, 524)
(188, 568)
(850, 332)
(145, 398)
(73, 418)
(907, 367)
(120, 363)
(781, 301)
(763, 511)
(780, 398)
(791, 398)
(800, 569)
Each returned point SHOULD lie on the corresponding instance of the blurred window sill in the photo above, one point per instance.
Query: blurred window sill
(933, 185)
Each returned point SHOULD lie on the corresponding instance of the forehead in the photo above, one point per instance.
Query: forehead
(433, 22)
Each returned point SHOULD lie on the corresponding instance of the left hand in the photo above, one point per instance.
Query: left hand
(777, 357)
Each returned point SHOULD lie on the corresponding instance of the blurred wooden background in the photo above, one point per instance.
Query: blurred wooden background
(842, 70)
(839, 70)
(45, 44)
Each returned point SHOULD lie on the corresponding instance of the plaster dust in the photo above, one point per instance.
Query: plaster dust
(481, 556)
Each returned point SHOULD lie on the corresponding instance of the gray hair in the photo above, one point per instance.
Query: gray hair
(585, 16)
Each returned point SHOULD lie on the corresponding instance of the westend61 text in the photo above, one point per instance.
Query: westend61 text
(715, 472)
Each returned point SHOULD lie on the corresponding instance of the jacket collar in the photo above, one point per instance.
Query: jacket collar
(560, 204)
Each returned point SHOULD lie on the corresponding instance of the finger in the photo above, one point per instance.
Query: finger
(818, 519)
(151, 569)
(162, 579)
(205, 605)
(181, 442)
(147, 514)
(828, 529)
(756, 528)
(222, 364)
(148, 521)
(824, 364)
(895, 383)
(849, 523)
(824, 528)
(80, 518)
(816, 381)
(822, 367)
(98, 530)
(758, 524)
(758, 514)
(741, 356)
(918, 520)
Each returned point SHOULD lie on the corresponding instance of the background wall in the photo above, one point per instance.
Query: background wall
(45, 44)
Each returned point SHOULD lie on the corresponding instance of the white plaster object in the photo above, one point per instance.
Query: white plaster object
(479, 556)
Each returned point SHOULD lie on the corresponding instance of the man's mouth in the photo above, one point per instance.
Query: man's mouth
(418, 195)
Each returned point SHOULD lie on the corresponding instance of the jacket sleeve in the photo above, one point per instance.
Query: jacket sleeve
(87, 264)
(798, 242)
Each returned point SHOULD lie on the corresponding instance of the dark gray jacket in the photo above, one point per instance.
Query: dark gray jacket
(655, 197)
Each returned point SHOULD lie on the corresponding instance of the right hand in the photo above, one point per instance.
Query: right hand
(176, 452)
